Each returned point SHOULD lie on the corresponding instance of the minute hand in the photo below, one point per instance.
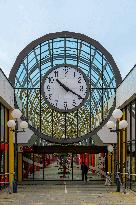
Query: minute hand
(68, 89)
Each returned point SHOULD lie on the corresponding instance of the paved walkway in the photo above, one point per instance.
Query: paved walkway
(67, 194)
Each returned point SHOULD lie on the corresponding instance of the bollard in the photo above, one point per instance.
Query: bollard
(14, 186)
(118, 182)
(118, 185)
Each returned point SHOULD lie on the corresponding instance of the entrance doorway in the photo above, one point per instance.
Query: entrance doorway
(64, 165)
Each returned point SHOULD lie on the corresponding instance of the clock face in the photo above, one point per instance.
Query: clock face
(65, 88)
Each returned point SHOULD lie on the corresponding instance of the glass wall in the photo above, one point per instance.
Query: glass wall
(62, 166)
(4, 167)
(94, 162)
(28, 166)
(58, 166)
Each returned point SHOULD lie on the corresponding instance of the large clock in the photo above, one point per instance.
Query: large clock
(65, 88)
(65, 85)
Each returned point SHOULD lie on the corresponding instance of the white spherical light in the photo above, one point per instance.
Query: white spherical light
(123, 124)
(11, 123)
(110, 148)
(23, 124)
(110, 124)
(117, 114)
(16, 113)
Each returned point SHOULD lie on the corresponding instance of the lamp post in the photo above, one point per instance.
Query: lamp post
(120, 126)
(13, 124)
(110, 149)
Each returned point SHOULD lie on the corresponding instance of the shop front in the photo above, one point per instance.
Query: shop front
(126, 100)
(59, 162)
(6, 138)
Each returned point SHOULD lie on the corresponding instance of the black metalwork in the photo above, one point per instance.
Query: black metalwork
(130, 144)
(70, 149)
(117, 130)
(57, 49)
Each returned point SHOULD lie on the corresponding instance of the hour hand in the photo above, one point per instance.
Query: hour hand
(61, 84)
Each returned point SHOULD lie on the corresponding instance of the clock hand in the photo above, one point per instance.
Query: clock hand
(61, 84)
(75, 93)
(68, 89)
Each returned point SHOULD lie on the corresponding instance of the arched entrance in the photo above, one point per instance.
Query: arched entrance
(65, 85)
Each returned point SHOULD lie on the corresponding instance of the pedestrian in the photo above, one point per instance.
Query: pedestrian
(64, 171)
(118, 181)
(108, 179)
(84, 169)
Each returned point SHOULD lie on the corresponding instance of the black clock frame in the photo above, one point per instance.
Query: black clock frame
(85, 78)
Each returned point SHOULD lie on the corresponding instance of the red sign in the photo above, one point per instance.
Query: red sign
(3, 147)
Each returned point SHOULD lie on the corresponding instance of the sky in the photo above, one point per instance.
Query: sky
(111, 22)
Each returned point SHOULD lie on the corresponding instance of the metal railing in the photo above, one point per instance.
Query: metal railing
(121, 186)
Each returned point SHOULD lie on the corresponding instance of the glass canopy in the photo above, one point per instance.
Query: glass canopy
(51, 50)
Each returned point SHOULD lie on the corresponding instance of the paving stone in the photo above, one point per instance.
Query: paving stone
(77, 194)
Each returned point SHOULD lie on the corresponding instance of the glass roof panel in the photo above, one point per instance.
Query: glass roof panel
(77, 50)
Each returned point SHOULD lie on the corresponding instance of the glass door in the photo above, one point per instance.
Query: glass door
(62, 166)
(94, 162)
(58, 166)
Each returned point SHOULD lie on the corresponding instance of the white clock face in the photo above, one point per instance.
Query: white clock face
(65, 88)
